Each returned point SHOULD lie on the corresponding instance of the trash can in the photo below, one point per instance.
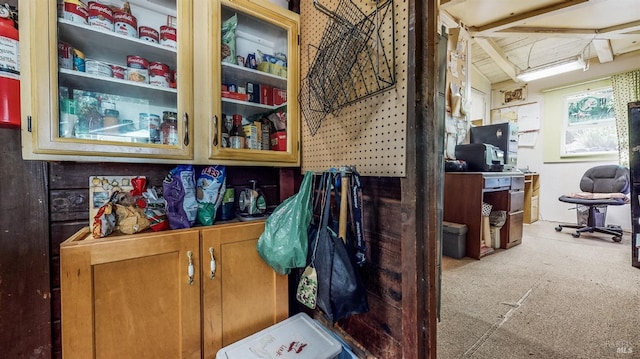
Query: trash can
(297, 337)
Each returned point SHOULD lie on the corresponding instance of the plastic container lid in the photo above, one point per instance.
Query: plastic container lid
(297, 337)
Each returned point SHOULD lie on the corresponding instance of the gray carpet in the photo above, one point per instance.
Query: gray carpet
(553, 296)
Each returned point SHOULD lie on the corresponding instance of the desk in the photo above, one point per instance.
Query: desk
(464, 193)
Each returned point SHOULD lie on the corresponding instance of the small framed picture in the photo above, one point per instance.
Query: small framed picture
(514, 96)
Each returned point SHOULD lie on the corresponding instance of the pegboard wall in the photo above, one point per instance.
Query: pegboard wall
(368, 133)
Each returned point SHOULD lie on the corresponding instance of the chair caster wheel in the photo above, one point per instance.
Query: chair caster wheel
(617, 239)
(558, 229)
(576, 235)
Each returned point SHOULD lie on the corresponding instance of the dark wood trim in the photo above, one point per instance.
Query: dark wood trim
(25, 293)
(422, 186)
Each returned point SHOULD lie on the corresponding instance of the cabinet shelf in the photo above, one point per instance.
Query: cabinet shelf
(239, 74)
(109, 46)
(230, 106)
(81, 80)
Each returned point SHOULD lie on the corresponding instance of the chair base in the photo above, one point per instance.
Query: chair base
(613, 230)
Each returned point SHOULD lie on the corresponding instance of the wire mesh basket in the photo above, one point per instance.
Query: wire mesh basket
(350, 61)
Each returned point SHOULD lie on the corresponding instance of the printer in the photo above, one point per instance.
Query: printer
(481, 157)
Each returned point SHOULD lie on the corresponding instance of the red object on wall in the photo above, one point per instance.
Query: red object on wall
(9, 71)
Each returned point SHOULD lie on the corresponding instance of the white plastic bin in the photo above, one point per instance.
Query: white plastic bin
(297, 337)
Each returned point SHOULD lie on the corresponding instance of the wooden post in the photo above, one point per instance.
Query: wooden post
(345, 175)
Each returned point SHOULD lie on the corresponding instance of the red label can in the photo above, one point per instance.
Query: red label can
(118, 71)
(148, 34)
(65, 55)
(168, 36)
(159, 74)
(125, 24)
(100, 15)
(75, 11)
(137, 69)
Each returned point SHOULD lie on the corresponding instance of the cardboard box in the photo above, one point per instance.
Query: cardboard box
(252, 137)
(235, 95)
(279, 96)
(253, 90)
(279, 141)
(266, 95)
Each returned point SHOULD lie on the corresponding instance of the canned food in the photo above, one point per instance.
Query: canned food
(125, 24)
(118, 71)
(75, 10)
(148, 34)
(98, 68)
(65, 55)
(137, 69)
(78, 60)
(168, 36)
(100, 15)
(159, 74)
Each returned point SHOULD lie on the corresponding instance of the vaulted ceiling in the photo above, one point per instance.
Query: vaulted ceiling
(512, 35)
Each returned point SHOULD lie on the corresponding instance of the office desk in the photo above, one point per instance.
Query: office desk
(464, 193)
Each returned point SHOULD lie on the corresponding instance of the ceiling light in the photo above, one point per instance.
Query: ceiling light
(551, 69)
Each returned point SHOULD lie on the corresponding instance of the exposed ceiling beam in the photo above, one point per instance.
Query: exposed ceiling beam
(498, 56)
(603, 49)
(527, 16)
(560, 32)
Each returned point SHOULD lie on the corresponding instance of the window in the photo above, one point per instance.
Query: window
(589, 123)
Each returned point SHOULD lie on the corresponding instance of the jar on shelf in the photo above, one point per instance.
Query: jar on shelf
(169, 128)
(111, 121)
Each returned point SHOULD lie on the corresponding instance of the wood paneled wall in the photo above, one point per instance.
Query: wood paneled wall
(25, 297)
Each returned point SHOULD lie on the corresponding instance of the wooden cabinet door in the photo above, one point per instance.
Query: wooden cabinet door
(130, 296)
(245, 295)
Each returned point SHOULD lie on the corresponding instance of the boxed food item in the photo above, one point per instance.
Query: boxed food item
(266, 95)
(253, 90)
(279, 96)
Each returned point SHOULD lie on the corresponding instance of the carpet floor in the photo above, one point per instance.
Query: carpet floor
(553, 296)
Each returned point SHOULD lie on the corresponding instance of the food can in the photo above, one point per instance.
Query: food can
(78, 60)
(98, 68)
(137, 69)
(75, 10)
(148, 34)
(65, 55)
(100, 15)
(125, 23)
(168, 36)
(118, 71)
(159, 74)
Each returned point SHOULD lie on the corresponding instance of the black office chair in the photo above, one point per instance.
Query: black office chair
(601, 186)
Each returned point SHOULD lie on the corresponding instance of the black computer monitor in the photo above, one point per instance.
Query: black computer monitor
(502, 135)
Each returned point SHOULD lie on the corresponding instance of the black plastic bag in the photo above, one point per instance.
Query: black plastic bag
(341, 290)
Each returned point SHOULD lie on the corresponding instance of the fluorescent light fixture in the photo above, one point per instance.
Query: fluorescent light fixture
(551, 69)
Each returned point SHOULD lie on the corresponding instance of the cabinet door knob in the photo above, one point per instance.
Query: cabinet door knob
(190, 269)
(212, 264)
(185, 116)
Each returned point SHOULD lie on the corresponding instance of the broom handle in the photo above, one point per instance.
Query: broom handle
(344, 192)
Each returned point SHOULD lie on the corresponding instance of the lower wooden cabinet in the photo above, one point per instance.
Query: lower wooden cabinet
(136, 296)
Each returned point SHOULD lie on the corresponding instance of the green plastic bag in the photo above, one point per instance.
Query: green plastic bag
(283, 244)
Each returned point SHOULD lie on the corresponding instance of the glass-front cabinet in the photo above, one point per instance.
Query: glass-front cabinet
(252, 70)
(107, 79)
(160, 81)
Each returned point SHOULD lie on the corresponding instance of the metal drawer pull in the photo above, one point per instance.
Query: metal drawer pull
(190, 269)
(212, 264)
